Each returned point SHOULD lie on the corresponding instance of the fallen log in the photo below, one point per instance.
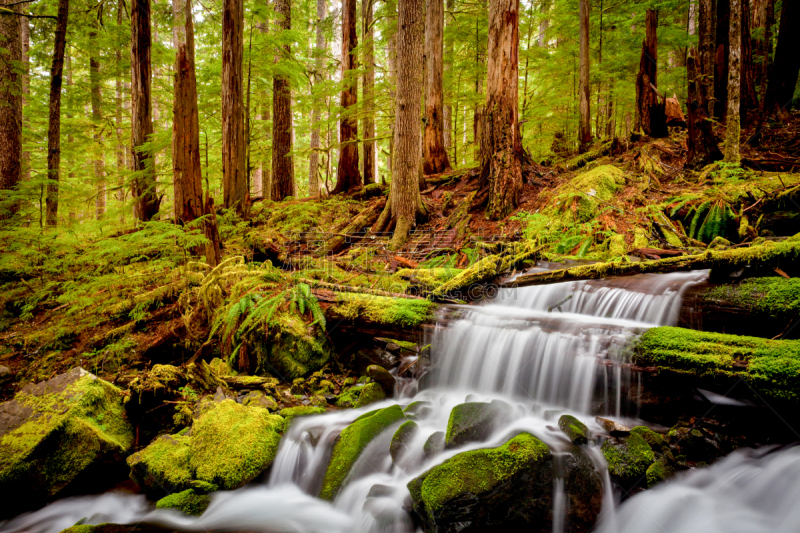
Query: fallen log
(365, 218)
(770, 255)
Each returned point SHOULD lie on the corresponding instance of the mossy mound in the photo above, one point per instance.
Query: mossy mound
(188, 502)
(508, 486)
(404, 312)
(361, 395)
(60, 434)
(655, 440)
(573, 428)
(770, 366)
(474, 422)
(776, 297)
(162, 467)
(291, 348)
(628, 457)
(585, 193)
(402, 437)
(658, 472)
(351, 442)
(427, 278)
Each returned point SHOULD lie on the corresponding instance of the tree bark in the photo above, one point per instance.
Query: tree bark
(405, 201)
(320, 50)
(765, 54)
(263, 176)
(10, 106)
(447, 114)
(501, 151)
(721, 59)
(706, 55)
(435, 160)
(783, 75)
(701, 145)
(54, 125)
(585, 128)
(650, 117)
(120, 147)
(391, 63)
(234, 173)
(282, 160)
(347, 172)
(368, 45)
(25, 31)
(734, 82)
(749, 100)
(98, 164)
(144, 182)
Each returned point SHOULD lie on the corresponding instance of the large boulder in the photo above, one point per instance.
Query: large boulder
(361, 395)
(60, 436)
(163, 466)
(628, 458)
(351, 442)
(474, 422)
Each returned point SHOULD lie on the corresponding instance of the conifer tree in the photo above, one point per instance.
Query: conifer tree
(234, 177)
(54, 123)
(282, 161)
(434, 153)
(11, 98)
(347, 170)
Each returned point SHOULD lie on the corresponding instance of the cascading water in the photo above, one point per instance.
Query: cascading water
(543, 351)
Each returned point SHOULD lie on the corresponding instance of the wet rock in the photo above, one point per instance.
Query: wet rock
(692, 444)
(188, 502)
(655, 440)
(614, 428)
(162, 467)
(418, 410)
(361, 395)
(404, 434)
(68, 434)
(290, 413)
(659, 471)
(379, 491)
(5, 373)
(382, 376)
(351, 442)
(504, 488)
(573, 428)
(258, 398)
(474, 422)
(375, 356)
(434, 445)
(628, 458)
(583, 485)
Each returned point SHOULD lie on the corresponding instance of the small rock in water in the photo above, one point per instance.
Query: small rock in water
(404, 434)
(576, 430)
(615, 428)
(383, 377)
(474, 422)
(434, 445)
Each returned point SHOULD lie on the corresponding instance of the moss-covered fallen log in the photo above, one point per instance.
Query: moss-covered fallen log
(771, 368)
(769, 255)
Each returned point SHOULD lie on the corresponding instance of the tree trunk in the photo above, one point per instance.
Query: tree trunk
(734, 82)
(347, 173)
(650, 116)
(187, 178)
(120, 147)
(144, 182)
(234, 173)
(501, 151)
(320, 49)
(749, 100)
(783, 76)
(282, 160)
(10, 106)
(721, 59)
(405, 201)
(265, 165)
(707, 52)
(766, 55)
(435, 160)
(701, 145)
(447, 114)
(25, 31)
(585, 128)
(391, 62)
(368, 45)
(97, 117)
(54, 126)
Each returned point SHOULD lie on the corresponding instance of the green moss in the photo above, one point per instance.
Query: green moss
(370, 393)
(163, 465)
(407, 312)
(290, 347)
(655, 440)
(401, 438)
(428, 278)
(188, 502)
(585, 193)
(773, 296)
(231, 444)
(771, 366)
(351, 442)
(475, 472)
(576, 430)
(658, 472)
(472, 421)
(628, 457)
(81, 528)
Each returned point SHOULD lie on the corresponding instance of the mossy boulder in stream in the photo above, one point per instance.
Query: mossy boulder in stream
(65, 435)
(361, 395)
(163, 466)
(351, 442)
(573, 428)
(188, 502)
(474, 422)
(628, 458)
(402, 437)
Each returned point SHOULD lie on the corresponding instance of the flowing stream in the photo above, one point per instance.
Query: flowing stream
(545, 351)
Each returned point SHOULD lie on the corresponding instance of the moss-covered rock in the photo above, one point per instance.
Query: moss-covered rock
(291, 348)
(361, 395)
(573, 428)
(259, 398)
(659, 471)
(509, 486)
(404, 434)
(770, 366)
(474, 422)
(60, 434)
(188, 502)
(351, 442)
(434, 445)
(628, 457)
(232, 444)
(162, 467)
(585, 193)
(418, 409)
(382, 376)
(404, 312)
(655, 440)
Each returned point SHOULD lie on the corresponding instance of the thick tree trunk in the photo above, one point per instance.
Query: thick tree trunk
(749, 99)
(320, 49)
(701, 144)
(120, 147)
(97, 117)
(435, 158)
(447, 114)
(405, 201)
(263, 179)
(368, 45)
(25, 32)
(734, 82)
(766, 55)
(721, 53)
(501, 151)
(391, 62)
(783, 75)
(54, 125)
(347, 173)
(585, 128)
(187, 179)
(707, 52)
(282, 161)
(650, 116)
(144, 183)
(234, 173)
(10, 105)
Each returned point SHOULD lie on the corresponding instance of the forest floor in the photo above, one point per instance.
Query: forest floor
(118, 304)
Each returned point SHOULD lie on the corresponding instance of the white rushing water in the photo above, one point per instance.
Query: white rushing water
(545, 351)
